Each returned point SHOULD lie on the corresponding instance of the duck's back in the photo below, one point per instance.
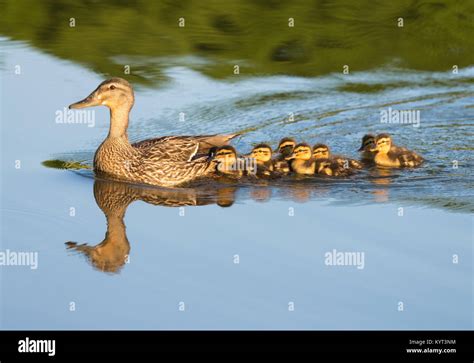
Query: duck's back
(410, 159)
(180, 148)
(346, 162)
(299, 166)
(334, 167)
(399, 157)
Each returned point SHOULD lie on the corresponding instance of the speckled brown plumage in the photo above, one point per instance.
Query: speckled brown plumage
(166, 161)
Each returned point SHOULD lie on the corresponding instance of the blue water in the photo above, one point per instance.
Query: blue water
(190, 259)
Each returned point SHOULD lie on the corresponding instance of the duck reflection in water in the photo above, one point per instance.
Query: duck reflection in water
(113, 198)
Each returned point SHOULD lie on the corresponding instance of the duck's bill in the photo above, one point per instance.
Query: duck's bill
(291, 157)
(361, 148)
(89, 101)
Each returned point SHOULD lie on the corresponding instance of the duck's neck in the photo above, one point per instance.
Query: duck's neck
(116, 228)
(119, 121)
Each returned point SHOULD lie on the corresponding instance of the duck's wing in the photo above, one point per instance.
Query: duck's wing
(168, 149)
(346, 162)
(344, 169)
(181, 148)
(410, 159)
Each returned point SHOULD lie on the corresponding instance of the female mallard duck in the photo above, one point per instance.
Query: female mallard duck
(166, 161)
(322, 151)
(262, 153)
(226, 163)
(301, 160)
(285, 149)
(388, 155)
(368, 143)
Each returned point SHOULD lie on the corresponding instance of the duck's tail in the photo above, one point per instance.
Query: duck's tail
(209, 142)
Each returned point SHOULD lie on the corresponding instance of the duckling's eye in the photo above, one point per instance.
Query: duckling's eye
(112, 87)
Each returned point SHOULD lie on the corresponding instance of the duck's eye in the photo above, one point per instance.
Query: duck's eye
(112, 87)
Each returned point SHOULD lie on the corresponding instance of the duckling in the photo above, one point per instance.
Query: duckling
(322, 151)
(301, 160)
(167, 161)
(395, 157)
(262, 153)
(285, 148)
(368, 143)
(226, 162)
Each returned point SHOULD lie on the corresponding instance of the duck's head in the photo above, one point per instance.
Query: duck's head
(368, 142)
(262, 153)
(225, 156)
(301, 151)
(286, 146)
(383, 143)
(113, 93)
(321, 151)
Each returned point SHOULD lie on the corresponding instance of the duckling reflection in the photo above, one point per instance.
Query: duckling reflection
(300, 193)
(382, 178)
(225, 197)
(113, 198)
(261, 194)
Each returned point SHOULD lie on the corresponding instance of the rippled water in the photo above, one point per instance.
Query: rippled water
(337, 110)
(128, 255)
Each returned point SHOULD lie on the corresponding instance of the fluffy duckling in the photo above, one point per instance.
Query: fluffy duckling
(368, 143)
(262, 153)
(285, 149)
(301, 160)
(388, 155)
(322, 151)
(226, 162)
